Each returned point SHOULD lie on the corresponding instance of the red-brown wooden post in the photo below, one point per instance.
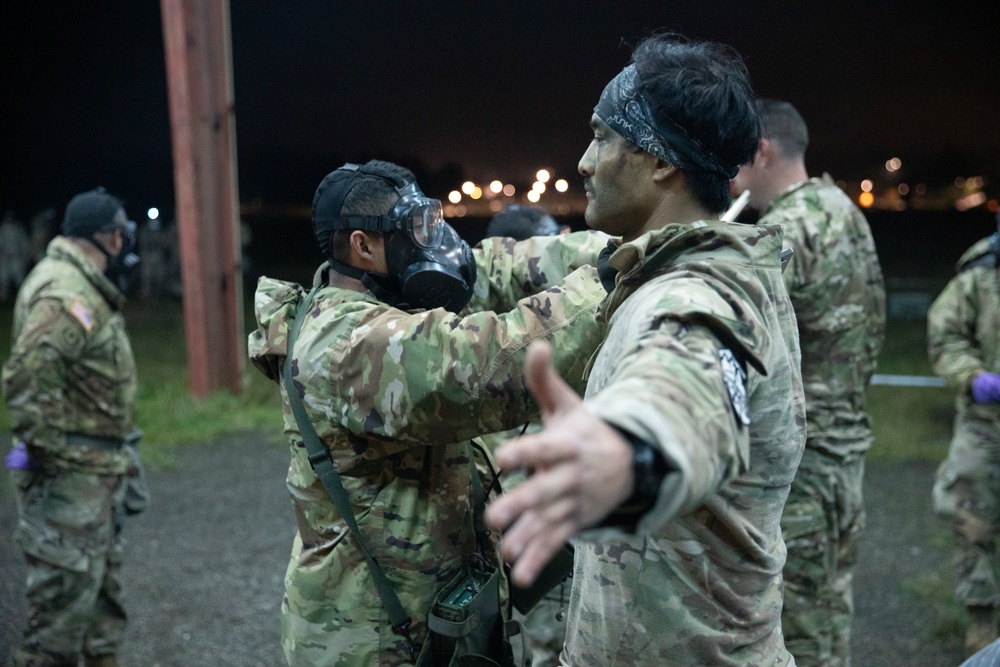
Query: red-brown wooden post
(203, 128)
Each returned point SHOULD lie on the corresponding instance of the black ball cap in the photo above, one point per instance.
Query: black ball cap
(92, 211)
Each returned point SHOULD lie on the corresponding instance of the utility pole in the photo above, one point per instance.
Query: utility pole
(203, 134)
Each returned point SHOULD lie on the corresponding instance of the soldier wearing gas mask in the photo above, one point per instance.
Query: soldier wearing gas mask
(70, 387)
(963, 342)
(411, 344)
(408, 258)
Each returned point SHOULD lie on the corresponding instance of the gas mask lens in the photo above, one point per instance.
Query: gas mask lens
(426, 222)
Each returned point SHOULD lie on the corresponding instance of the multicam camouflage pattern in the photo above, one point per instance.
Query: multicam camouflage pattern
(70, 532)
(545, 623)
(835, 283)
(71, 370)
(963, 335)
(699, 582)
(395, 396)
(822, 525)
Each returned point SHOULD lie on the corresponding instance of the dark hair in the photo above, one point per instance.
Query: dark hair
(369, 194)
(784, 126)
(704, 88)
(521, 222)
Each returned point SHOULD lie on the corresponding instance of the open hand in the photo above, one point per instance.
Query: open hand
(582, 472)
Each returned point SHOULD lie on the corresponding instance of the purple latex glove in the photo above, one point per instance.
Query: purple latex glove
(986, 388)
(17, 459)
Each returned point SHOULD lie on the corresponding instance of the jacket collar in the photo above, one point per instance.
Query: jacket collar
(63, 249)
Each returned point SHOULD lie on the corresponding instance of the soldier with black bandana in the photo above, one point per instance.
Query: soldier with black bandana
(670, 475)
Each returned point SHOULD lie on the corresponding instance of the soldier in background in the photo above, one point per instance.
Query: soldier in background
(42, 231)
(835, 283)
(963, 338)
(395, 384)
(15, 255)
(70, 389)
(153, 245)
(521, 222)
(546, 622)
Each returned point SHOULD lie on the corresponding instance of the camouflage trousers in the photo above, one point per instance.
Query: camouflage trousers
(967, 492)
(69, 529)
(822, 524)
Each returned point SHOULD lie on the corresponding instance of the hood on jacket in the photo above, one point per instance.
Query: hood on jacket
(276, 303)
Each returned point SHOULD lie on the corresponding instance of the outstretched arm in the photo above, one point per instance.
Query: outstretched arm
(435, 377)
(508, 271)
(582, 472)
(669, 390)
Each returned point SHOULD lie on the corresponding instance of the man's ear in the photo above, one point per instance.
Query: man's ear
(765, 153)
(663, 171)
(362, 250)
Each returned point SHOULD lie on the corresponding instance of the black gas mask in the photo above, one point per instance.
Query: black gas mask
(429, 265)
(122, 268)
(96, 211)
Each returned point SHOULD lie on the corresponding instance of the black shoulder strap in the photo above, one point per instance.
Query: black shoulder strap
(319, 458)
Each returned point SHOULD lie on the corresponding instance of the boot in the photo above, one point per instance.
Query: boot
(100, 661)
(982, 629)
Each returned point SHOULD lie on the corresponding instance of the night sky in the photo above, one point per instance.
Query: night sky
(477, 89)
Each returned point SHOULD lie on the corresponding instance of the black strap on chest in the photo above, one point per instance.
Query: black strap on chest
(322, 465)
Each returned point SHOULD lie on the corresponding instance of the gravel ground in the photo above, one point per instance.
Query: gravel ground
(204, 566)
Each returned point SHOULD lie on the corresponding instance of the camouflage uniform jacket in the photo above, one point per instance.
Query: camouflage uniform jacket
(963, 333)
(71, 368)
(364, 369)
(835, 282)
(699, 581)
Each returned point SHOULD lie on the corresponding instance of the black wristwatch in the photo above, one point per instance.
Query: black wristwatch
(648, 470)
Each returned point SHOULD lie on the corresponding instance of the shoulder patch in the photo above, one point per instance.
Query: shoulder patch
(82, 315)
(735, 379)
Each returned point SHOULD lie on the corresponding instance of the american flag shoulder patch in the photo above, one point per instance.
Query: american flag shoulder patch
(82, 315)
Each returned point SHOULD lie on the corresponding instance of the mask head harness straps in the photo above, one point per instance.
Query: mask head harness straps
(419, 250)
(329, 201)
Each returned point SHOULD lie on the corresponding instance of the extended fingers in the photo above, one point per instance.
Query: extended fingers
(535, 451)
(534, 555)
(544, 496)
(550, 390)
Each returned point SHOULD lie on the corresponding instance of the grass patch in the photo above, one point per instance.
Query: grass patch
(934, 590)
(166, 412)
(909, 422)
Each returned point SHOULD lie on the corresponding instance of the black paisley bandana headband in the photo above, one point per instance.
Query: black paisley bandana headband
(625, 107)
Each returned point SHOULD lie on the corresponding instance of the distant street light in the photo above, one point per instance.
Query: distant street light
(562, 185)
(543, 175)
